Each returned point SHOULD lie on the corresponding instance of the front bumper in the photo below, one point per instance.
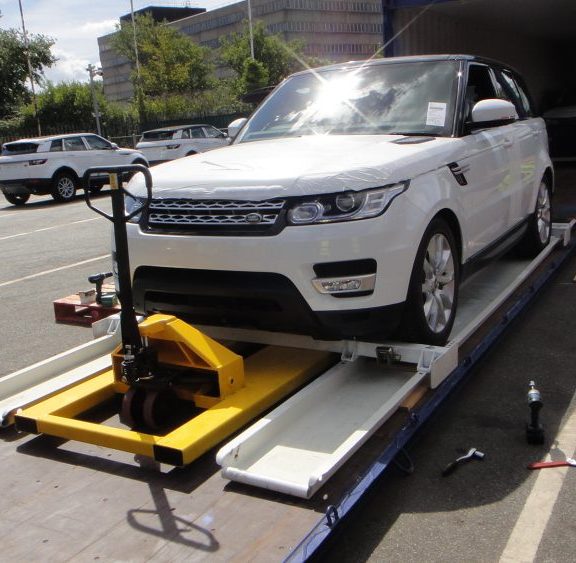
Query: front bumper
(261, 301)
(273, 276)
(27, 186)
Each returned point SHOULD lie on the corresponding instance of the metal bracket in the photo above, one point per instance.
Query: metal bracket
(563, 231)
(438, 362)
(332, 516)
(349, 351)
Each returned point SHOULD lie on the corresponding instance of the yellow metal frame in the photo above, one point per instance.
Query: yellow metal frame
(268, 375)
(179, 344)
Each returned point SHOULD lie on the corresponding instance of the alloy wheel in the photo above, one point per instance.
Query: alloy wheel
(438, 286)
(66, 188)
(543, 214)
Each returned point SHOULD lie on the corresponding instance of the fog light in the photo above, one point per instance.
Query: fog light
(353, 284)
(341, 285)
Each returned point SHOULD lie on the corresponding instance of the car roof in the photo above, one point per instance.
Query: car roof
(49, 138)
(177, 127)
(408, 59)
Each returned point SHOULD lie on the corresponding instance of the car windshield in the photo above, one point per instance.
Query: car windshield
(416, 98)
(19, 148)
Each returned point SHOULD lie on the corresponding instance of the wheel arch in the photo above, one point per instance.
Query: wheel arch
(142, 161)
(452, 220)
(65, 169)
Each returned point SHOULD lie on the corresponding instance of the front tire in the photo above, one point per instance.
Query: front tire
(539, 230)
(433, 290)
(17, 199)
(64, 187)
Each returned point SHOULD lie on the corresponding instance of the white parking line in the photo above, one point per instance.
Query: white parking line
(45, 272)
(527, 533)
(49, 228)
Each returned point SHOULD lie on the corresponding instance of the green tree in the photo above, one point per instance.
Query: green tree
(68, 106)
(170, 62)
(254, 75)
(69, 102)
(14, 67)
(277, 57)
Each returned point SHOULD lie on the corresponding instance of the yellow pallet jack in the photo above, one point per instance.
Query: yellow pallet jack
(181, 392)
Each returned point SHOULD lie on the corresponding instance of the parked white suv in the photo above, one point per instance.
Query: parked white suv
(169, 143)
(55, 165)
(352, 204)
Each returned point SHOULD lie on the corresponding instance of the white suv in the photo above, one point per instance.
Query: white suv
(55, 165)
(169, 143)
(352, 204)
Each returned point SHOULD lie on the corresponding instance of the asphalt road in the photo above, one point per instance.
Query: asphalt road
(48, 251)
(494, 510)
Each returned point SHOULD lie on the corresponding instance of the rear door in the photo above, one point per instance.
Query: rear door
(196, 140)
(489, 167)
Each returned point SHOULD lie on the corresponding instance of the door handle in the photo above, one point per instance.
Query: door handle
(508, 142)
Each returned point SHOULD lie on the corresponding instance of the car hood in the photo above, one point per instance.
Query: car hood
(300, 166)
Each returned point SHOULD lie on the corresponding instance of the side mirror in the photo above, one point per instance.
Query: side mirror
(235, 126)
(114, 146)
(493, 112)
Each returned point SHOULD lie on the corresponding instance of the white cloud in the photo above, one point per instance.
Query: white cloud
(99, 28)
(68, 68)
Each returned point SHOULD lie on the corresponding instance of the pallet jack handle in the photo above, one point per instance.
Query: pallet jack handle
(136, 363)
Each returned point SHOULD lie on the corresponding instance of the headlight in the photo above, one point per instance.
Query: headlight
(131, 204)
(346, 206)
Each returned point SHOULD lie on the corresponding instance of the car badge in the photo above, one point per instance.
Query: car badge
(254, 218)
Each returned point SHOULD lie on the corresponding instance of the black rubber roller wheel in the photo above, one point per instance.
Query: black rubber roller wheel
(131, 413)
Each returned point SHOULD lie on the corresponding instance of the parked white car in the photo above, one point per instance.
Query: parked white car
(352, 204)
(55, 165)
(169, 143)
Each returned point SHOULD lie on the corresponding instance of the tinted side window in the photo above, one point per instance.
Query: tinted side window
(212, 132)
(185, 134)
(480, 87)
(96, 143)
(74, 144)
(157, 135)
(56, 145)
(196, 133)
(521, 99)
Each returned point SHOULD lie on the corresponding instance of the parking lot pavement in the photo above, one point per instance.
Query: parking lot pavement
(48, 252)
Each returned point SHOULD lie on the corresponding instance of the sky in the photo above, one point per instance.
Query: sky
(75, 26)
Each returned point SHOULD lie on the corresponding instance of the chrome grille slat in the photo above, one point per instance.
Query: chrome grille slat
(191, 205)
(166, 213)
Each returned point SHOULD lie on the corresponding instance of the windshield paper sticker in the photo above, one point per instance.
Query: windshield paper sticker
(436, 114)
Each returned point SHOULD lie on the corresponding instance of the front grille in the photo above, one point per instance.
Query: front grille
(218, 216)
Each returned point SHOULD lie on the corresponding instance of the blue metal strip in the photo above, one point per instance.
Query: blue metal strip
(327, 524)
(417, 3)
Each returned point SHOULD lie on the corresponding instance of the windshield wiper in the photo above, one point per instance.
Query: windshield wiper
(410, 134)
